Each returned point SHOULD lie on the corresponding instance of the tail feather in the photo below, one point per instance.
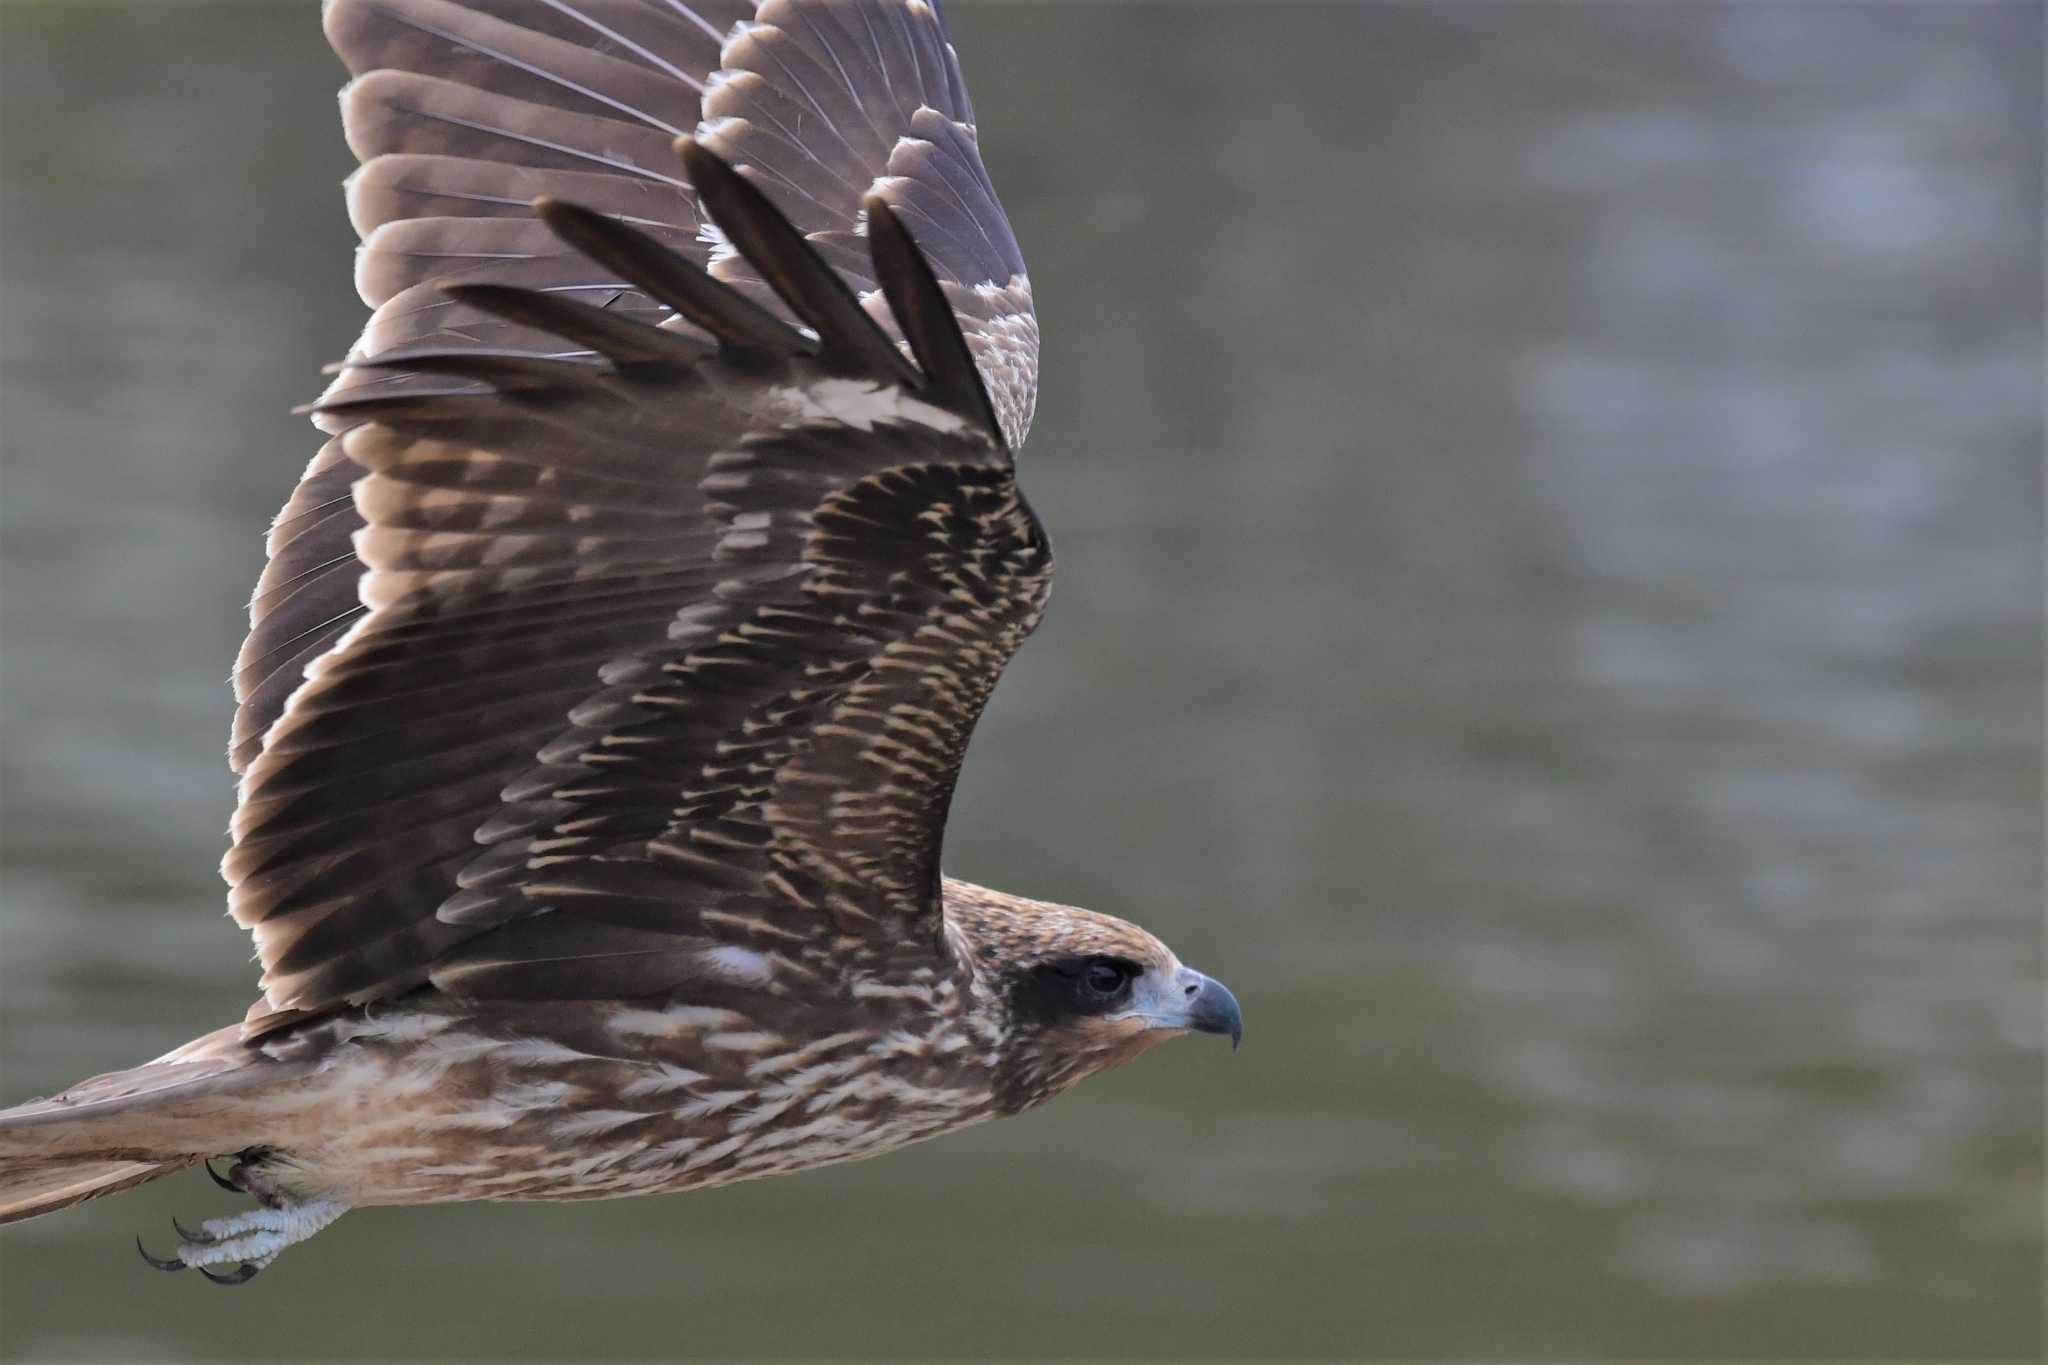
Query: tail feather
(125, 1128)
(32, 1189)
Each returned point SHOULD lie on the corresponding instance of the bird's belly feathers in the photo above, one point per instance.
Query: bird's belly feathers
(605, 1100)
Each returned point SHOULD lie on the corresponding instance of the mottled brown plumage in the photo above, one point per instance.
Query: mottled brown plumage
(605, 694)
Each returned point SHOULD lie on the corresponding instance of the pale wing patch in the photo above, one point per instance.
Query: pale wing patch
(861, 403)
(742, 966)
(675, 1020)
(752, 1040)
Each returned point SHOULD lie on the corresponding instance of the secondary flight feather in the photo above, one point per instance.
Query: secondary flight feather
(617, 654)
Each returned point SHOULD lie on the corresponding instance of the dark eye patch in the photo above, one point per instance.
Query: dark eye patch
(1073, 987)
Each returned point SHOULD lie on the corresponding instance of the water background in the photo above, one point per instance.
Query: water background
(1549, 504)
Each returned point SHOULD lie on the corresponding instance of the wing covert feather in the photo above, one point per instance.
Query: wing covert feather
(658, 650)
(464, 112)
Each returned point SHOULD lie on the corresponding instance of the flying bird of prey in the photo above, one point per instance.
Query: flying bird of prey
(616, 656)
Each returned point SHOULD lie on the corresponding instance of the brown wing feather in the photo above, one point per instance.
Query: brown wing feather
(465, 112)
(683, 645)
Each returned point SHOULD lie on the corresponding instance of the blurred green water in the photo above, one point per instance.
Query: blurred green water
(1549, 505)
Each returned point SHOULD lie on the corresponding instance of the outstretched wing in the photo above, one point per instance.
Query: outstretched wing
(465, 111)
(667, 619)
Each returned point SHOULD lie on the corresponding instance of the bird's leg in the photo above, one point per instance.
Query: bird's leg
(248, 1241)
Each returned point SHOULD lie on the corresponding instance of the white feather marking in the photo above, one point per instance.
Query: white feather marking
(755, 1117)
(712, 1103)
(811, 1077)
(538, 1052)
(1007, 291)
(521, 1095)
(665, 1079)
(881, 990)
(743, 966)
(594, 1121)
(741, 29)
(673, 1020)
(899, 1043)
(481, 1120)
(399, 1028)
(768, 1066)
(749, 1041)
(457, 1168)
(860, 403)
(714, 1152)
(673, 1150)
(714, 237)
(512, 1178)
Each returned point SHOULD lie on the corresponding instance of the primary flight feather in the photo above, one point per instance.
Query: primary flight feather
(616, 656)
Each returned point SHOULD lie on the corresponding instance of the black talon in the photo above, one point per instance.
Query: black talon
(220, 1179)
(198, 1239)
(241, 1275)
(173, 1263)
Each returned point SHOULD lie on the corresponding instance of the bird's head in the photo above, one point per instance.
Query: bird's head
(1076, 992)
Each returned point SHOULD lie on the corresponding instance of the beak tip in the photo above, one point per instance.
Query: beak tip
(1213, 1009)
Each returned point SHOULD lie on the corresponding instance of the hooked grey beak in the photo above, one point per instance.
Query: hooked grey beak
(1211, 1008)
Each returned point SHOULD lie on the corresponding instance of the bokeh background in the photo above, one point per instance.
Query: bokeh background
(1550, 512)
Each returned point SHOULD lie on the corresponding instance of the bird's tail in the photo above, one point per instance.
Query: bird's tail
(126, 1128)
(31, 1189)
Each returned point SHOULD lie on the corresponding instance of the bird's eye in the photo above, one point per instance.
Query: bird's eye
(1104, 978)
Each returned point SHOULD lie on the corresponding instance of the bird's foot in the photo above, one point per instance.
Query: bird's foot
(247, 1241)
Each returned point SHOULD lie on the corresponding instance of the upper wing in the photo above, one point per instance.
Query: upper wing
(465, 111)
(677, 631)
